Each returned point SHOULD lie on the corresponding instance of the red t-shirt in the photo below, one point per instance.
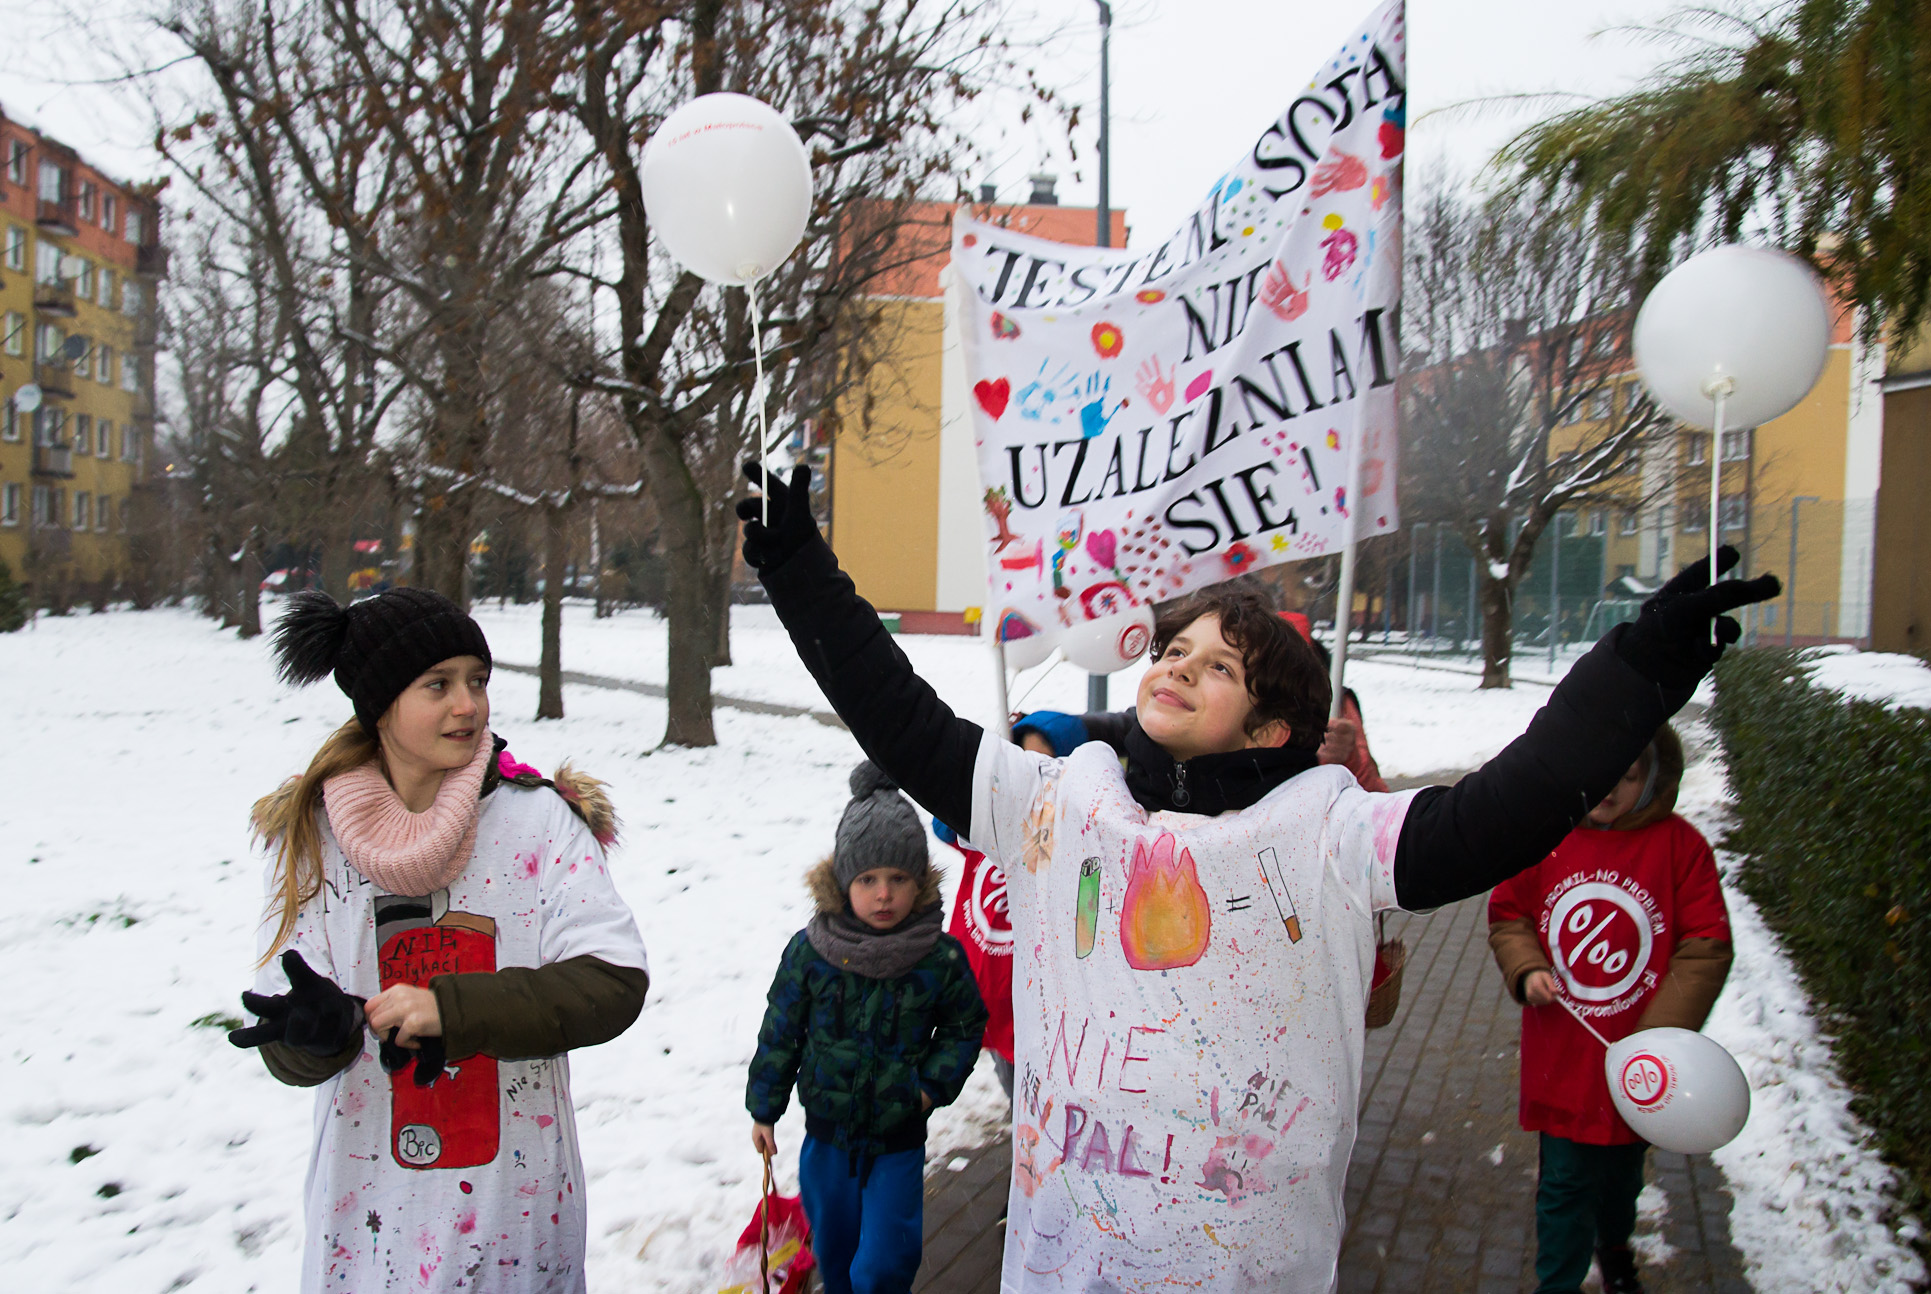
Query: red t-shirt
(1609, 908)
(981, 922)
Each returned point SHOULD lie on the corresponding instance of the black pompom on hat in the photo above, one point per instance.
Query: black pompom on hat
(376, 647)
(880, 829)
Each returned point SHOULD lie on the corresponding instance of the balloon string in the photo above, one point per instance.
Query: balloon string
(1579, 1020)
(764, 431)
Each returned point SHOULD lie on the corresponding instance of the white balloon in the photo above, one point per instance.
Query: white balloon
(1111, 643)
(1755, 316)
(1025, 644)
(1677, 1089)
(727, 186)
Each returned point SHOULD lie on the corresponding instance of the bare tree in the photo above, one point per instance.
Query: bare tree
(1516, 324)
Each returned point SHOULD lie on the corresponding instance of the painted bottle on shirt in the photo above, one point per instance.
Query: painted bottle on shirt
(1086, 914)
(1165, 920)
(456, 1121)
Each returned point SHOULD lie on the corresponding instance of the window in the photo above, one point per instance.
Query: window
(16, 248)
(9, 422)
(104, 365)
(50, 426)
(1695, 517)
(84, 364)
(83, 510)
(136, 226)
(103, 512)
(127, 515)
(1737, 445)
(104, 439)
(88, 195)
(83, 434)
(9, 504)
(1628, 524)
(46, 262)
(106, 297)
(85, 285)
(1698, 448)
(13, 335)
(127, 443)
(130, 374)
(17, 161)
(1734, 511)
(108, 212)
(53, 182)
(1602, 404)
(51, 340)
(46, 503)
(131, 293)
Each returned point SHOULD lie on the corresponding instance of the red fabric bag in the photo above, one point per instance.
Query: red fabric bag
(774, 1250)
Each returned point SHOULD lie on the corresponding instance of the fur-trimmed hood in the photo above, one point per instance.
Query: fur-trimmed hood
(588, 797)
(1666, 748)
(829, 900)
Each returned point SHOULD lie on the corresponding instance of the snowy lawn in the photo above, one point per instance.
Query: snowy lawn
(143, 1153)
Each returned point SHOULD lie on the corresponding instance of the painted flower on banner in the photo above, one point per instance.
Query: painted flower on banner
(1340, 246)
(1108, 339)
(1239, 557)
(1392, 132)
(1334, 439)
(1003, 328)
(1149, 296)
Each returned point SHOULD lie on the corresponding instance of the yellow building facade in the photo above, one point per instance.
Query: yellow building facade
(1808, 479)
(80, 258)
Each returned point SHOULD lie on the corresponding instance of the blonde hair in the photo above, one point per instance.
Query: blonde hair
(286, 818)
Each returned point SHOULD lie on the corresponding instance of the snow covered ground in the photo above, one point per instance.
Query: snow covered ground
(143, 1153)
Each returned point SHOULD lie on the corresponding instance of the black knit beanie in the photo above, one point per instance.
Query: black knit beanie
(376, 647)
(880, 829)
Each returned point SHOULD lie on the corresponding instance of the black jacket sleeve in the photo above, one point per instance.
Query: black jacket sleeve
(899, 721)
(1508, 814)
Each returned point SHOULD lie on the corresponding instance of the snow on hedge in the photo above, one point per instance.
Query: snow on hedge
(1891, 679)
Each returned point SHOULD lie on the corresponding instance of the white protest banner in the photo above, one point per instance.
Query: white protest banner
(1152, 421)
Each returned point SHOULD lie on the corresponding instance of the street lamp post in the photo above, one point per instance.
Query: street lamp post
(1103, 237)
(1790, 589)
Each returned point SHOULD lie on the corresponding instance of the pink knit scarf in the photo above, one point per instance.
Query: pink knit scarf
(403, 852)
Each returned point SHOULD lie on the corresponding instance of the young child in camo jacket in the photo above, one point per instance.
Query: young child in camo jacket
(875, 1018)
(1625, 920)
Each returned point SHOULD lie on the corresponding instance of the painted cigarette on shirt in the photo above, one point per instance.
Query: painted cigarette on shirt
(1283, 901)
(1086, 913)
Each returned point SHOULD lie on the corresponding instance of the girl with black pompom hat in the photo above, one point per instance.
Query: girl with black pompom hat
(446, 929)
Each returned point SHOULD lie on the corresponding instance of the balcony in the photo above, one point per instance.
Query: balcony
(152, 261)
(53, 460)
(54, 299)
(57, 217)
(53, 541)
(55, 380)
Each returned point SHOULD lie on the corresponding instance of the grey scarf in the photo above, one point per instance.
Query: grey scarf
(849, 944)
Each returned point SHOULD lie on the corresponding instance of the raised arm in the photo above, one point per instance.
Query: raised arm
(1508, 814)
(899, 721)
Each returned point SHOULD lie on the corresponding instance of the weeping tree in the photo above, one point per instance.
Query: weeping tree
(873, 89)
(1515, 323)
(1809, 122)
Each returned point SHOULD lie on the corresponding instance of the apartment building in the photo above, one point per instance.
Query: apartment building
(80, 258)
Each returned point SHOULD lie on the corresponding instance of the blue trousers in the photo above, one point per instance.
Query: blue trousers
(868, 1235)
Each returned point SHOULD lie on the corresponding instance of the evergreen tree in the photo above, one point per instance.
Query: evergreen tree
(14, 607)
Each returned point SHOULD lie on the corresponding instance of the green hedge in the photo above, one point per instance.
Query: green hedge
(1834, 811)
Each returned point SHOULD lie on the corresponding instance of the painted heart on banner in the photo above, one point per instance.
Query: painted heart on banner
(993, 396)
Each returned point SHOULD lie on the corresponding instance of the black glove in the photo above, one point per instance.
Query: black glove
(428, 1057)
(1670, 642)
(313, 1016)
(791, 526)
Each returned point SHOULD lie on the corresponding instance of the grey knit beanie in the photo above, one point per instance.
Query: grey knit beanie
(880, 829)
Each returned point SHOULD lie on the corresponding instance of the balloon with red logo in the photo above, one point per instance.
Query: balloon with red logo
(1110, 643)
(1678, 1089)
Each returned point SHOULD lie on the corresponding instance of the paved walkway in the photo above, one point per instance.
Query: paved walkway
(1441, 1189)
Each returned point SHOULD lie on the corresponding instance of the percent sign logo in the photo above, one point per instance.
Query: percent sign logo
(1647, 1079)
(1600, 940)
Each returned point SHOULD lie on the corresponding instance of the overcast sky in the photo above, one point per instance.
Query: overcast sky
(1193, 83)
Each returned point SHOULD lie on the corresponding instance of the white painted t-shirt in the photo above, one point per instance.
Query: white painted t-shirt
(1188, 994)
(475, 1183)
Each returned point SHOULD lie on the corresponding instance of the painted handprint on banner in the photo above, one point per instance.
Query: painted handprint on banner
(1093, 415)
(1279, 294)
(1339, 174)
(1045, 399)
(1155, 386)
